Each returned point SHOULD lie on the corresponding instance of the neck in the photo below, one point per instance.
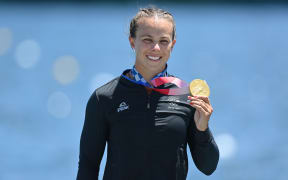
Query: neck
(147, 73)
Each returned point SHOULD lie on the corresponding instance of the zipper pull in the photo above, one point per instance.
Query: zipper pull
(148, 102)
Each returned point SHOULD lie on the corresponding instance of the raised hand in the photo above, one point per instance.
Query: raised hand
(203, 111)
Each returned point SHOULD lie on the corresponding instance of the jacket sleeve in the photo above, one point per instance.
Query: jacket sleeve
(203, 148)
(93, 140)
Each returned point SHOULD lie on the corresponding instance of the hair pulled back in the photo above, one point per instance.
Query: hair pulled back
(151, 12)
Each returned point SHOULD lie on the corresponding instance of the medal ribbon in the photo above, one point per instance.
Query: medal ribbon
(158, 80)
(182, 86)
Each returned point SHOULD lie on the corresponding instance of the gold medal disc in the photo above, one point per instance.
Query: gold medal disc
(199, 87)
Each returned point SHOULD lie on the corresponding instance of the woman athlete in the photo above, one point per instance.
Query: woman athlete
(146, 131)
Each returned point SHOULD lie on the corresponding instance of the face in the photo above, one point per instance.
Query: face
(153, 44)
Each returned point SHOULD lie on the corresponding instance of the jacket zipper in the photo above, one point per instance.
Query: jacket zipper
(181, 164)
(148, 102)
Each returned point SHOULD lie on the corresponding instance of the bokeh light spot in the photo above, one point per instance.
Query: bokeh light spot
(227, 145)
(27, 53)
(66, 69)
(59, 105)
(5, 40)
(99, 80)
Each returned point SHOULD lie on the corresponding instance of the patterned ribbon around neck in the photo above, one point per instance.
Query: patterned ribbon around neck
(140, 79)
(160, 79)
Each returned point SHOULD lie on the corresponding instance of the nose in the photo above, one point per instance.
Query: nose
(156, 47)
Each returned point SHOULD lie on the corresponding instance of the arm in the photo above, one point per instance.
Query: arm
(203, 148)
(93, 140)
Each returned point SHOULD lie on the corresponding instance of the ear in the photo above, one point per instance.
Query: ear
(131, 40)
(173, 43)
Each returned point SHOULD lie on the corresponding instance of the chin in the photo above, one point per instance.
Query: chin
(159, 67)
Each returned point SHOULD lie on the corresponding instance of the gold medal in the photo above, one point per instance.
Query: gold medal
(199, 87)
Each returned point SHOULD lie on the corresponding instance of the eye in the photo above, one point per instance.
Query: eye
(147, 40)
(164, 42)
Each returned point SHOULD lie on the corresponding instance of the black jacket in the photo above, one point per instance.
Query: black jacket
(147, 135)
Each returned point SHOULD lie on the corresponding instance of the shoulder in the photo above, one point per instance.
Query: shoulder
(107, 89)
(103, 93)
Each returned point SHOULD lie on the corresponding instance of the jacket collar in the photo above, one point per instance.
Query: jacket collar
(128, 82)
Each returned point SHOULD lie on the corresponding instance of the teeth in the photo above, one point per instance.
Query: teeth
(153, 57)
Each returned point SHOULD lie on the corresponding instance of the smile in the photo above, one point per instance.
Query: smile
(154, 58)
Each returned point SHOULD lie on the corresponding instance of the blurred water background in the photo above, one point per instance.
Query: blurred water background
(52, 56)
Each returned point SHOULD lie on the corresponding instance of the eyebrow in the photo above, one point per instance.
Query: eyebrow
(151, 36)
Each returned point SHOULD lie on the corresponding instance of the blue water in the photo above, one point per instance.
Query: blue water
(241, 51)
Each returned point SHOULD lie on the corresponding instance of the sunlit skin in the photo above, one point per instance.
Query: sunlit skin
(153, 45)
(153, 38)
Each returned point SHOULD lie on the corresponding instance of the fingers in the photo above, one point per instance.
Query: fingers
(199, 108)
(201, 101)
(204, 98)
(198, 102)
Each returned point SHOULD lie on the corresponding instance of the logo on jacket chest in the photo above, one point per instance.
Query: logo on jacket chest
(172, 102)
(123, 106)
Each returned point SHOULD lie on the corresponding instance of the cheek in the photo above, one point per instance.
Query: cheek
(143, 47)
(167, 50)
